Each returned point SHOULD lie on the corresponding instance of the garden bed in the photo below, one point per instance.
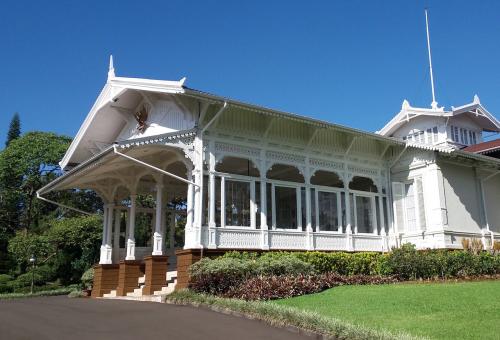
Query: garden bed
(275, 275)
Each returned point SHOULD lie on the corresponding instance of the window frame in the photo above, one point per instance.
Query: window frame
(338, 193)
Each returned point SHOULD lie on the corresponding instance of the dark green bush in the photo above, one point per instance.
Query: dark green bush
(219, 275)
(5, 287)
(285, 264)
(88, 278)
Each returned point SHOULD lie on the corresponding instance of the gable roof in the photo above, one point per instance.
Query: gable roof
(116, 87)
(474, 110)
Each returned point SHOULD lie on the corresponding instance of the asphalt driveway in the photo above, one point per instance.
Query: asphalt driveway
(64, 318)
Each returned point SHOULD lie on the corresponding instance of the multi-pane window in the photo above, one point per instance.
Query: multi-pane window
(463, 136)
(409, 207)
(428, 136)
(237, 207)
(286, 207)
(328, 211)
(364, 214)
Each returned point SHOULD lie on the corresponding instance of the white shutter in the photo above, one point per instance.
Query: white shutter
(398, 194)
(420, 203)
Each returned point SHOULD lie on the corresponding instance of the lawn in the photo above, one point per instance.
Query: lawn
(467, 310)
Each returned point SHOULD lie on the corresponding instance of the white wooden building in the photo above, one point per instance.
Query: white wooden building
(255, 178)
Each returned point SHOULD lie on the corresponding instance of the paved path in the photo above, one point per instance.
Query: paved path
(74, 319)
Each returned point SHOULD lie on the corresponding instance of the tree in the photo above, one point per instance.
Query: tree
(14, 129)
(29, 162)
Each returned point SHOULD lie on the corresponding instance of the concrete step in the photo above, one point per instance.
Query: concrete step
(110, 294)
(172, 275)
(165, 290)
(136, 293)
(145, 298)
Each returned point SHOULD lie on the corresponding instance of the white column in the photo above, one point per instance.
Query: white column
(157, 236)
(116, 236)
(106, 251)
(189, 206)
(348, 219)
(382, 217)
(172, 225)
(263, 209)
(253, 206)
(131, 230)
(374, 214)
(110, 224)
(309, 229)
(102, 259)
(212, 231)
(299, 208)
(188, 236)
(223, 202)
(198, 209)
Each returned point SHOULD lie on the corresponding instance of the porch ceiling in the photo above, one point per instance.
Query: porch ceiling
(111, 175)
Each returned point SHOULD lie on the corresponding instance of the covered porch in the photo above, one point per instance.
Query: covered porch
(145, 210)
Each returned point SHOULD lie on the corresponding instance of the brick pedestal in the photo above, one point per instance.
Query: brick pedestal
(186, 257)
(156, 273)
(105, 279)
(128, 276)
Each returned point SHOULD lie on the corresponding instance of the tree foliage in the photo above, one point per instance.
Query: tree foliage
(28, 163)
(69, 246)
(14, 129)
(65, 243)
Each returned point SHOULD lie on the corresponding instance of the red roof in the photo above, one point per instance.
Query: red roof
(485, 147)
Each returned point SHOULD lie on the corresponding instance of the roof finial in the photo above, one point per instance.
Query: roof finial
(434, 103)
(111, 71)
(476, 99)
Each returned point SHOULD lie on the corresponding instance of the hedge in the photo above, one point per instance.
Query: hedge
(233, 273)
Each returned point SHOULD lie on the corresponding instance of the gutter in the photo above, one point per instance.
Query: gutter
(77, 168)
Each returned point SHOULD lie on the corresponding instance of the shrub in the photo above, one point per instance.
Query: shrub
(88, 278)
(229, 272)
(4, 283)
(218, 275)
(286, 264)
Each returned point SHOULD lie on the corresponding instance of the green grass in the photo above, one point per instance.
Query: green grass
(52, 292)
(283, 316)
(467, 310)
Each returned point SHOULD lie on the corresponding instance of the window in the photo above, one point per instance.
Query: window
(237, 205)
(328, 211)
(421, 137)
(435, 134)
(466, 137)
(429, 136)
(474, 138)
(364, 214)
(411, 217)
(454, 134)
(286, 207)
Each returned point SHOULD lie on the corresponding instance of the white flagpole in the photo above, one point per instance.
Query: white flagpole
(434, 103)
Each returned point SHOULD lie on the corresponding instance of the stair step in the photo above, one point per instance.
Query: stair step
(171, 275)
(110, 294)
(137, 292)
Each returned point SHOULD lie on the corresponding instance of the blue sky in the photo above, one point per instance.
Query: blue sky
(347, 62)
